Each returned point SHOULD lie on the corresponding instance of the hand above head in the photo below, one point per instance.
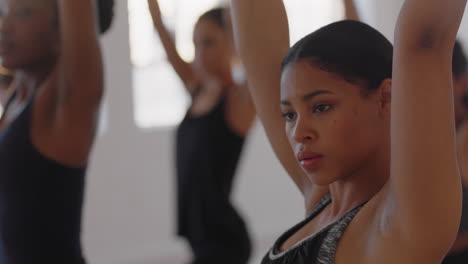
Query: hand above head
(351, 12)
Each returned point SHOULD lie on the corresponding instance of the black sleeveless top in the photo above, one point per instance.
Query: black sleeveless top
(40, 201)
(207, 154)
(464, 219)
(317, 249)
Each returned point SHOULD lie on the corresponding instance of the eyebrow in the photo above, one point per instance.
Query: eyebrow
(308, 96)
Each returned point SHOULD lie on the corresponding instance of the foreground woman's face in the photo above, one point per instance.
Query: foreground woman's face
(334, 130)
(28, 32)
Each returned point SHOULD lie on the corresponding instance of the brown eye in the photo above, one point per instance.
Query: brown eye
(289, 116)
(321, 108)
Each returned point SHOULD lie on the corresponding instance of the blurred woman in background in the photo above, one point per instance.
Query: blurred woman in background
(49, 124)
(209, 140)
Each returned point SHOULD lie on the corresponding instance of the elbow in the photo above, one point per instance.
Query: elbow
(424, 37)
(430, 39)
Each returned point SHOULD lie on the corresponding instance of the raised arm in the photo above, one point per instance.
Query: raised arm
(425, 182)
(182, 68)
(262, 38)
(75, 87)
(80, 63)
(351, 11)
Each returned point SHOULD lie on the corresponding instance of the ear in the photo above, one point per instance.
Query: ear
(385, 97)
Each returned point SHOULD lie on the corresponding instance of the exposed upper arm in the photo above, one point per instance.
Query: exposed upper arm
(262, 39)
(70, 98)
(80, 69)
(183, 69)
(424, 181)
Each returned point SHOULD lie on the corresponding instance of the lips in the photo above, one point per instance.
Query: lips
(310, 160)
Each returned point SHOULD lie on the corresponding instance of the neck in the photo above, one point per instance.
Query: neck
(361, 185)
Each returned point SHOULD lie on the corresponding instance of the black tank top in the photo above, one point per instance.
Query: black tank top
(464, 219)
(317, 249)
(40, 201)
(207, 154)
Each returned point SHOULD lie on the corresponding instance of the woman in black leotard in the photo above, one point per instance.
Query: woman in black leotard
(48, 128)
(209, 141)
(367, 135)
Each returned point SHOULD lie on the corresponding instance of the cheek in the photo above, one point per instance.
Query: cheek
(217, 56)
(36, 43)
(342, 128)
(353, 134)
(289, 129)
(215, 53)
(35, 33)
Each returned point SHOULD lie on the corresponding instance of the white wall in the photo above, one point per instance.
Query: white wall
(129, 210)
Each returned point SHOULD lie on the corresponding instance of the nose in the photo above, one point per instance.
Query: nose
(303, 131)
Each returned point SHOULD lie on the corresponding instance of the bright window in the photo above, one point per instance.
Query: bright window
(160, 99)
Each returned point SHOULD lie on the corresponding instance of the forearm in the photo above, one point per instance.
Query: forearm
(351, 11)
(262, 39)
(182, 68)
(260, 27)
(167, 40)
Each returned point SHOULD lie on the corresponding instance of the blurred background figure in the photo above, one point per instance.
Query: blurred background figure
(49, 124)
(209, 140)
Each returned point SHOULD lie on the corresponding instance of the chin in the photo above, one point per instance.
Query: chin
(321, 178)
